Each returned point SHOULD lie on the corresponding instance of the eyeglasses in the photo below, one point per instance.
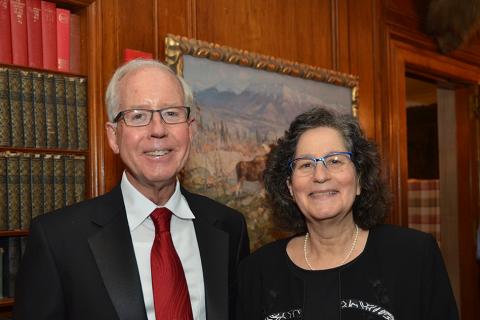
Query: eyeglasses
(143, 117)
(333, 162)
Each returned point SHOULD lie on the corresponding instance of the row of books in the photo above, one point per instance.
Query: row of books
(37, 34)
(42, 110)
(11, 252)
(32, 184)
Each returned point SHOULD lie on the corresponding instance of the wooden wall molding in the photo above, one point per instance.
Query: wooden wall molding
(404, 56)
(95, 177)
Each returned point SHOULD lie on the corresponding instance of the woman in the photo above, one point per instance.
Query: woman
(324, 181)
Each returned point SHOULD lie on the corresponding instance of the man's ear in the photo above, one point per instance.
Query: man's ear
(192, 127)
(111, 130)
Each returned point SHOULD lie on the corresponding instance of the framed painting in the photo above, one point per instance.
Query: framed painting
(244, 103)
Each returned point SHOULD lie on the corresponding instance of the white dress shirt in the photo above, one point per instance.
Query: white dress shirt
(184, 239)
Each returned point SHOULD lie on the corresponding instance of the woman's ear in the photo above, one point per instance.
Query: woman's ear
(289, 186)
(359, 187)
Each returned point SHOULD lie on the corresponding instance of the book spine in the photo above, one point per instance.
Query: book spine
(13, 263)
(50, 110)
(130, 54)
(27, 107)
(34, 34)
(58, 181)
(36, 183)
(74, 43)
(69, 180)
(15, 87)
(13, 191)
(23, 246)
(1, 273)
(47, 173)
(81, 103)
(79, 178)
(39, 110)
(61, 111)
(25, 192)
(5, 133)
(18, 20)
(63, 39)
(49, 35)
(3, 192)
(71, 113)
(5, 32)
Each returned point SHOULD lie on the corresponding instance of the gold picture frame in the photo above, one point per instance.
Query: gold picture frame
(245, 101)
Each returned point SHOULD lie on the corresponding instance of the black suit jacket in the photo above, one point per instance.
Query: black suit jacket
(80, 263)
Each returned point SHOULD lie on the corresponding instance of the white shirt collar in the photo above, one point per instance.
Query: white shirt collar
(139, 207)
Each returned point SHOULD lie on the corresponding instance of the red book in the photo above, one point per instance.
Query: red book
(5, 32)
(18, 20)
(34, 33)
(63, 39)
(131, 54)
(49, 35)
(74, 43)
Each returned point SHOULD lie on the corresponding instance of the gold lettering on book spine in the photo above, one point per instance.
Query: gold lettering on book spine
(61, 111)
(72, 128)
(36, 185)
(50, 111)
(3, 192)
(69, 180)
(79, 178)
(81, 103)
(25, 192)
(47, 173)
(58, 181)
(4, 109)
(39, 110)
(27, 109)
(13, 191)
(15, 87)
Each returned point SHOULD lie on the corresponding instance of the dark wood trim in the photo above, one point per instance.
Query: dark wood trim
(402, 57)
(468, 207)
(13, 233)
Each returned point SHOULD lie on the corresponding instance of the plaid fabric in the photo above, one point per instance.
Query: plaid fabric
(424, 207)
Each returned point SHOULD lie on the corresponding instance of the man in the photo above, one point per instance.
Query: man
(99, 259)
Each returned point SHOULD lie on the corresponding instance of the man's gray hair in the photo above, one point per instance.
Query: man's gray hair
(112, 94)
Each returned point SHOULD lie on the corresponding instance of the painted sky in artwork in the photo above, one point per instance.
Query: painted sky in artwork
(254, 100)
(203, 74)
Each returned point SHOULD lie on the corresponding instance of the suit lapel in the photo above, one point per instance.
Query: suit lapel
(113, 251)
(213, 246)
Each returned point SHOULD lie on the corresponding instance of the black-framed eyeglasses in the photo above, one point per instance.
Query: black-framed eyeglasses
(138, 117)
(333, 162)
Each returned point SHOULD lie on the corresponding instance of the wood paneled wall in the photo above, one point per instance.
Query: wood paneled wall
(333, 34)
(345, 35)
(351, 36)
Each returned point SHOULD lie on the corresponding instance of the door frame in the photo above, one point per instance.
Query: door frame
(402, 57)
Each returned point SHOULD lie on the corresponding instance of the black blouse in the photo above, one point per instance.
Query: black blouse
(399, 275)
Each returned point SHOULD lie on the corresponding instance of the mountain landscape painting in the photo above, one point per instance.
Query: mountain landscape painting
(240, 114)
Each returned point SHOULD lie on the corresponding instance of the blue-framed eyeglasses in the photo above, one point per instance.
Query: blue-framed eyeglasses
(138, 117)
(333, 162)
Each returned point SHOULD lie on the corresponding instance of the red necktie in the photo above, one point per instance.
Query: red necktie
(170, 291)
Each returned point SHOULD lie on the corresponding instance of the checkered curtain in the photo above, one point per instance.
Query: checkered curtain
(424, 206)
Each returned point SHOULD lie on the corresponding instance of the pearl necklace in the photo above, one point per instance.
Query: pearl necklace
(354, 243)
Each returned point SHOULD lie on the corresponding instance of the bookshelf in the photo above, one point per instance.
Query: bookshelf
(69, 147)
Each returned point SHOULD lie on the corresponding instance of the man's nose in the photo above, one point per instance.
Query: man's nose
(157, 125)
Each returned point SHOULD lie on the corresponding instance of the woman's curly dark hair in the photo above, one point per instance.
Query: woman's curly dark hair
(369, 208)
